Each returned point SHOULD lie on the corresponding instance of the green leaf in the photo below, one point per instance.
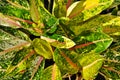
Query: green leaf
(52, 24)
(16, 12)
(17, 8)
(42, 48)
(51, 73)
(6, 21)
(32, 63)
(35, 15)
(18, 63)
(59, 8)
(59, 41)
(5, 61)
(16, 33)
(74, 8)
(9, 43)
(66, 61)
(72, 37)
(87, 10)
(23, 65)
(50, 21)
(45, 14)
(92, 41)
(91, 64)
(22, 4)
(96, 22)
(66, 44)
(40, 70)
(112, 26)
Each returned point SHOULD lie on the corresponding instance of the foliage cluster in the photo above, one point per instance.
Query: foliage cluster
(57, 40)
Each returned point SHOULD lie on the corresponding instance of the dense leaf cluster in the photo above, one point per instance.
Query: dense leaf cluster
(73, 34)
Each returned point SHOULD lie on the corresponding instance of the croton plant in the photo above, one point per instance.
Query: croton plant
(59, 40)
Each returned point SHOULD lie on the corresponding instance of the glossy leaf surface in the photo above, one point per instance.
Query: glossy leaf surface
(43, 48)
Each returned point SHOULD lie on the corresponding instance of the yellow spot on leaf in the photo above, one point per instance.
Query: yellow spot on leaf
(90, 3)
